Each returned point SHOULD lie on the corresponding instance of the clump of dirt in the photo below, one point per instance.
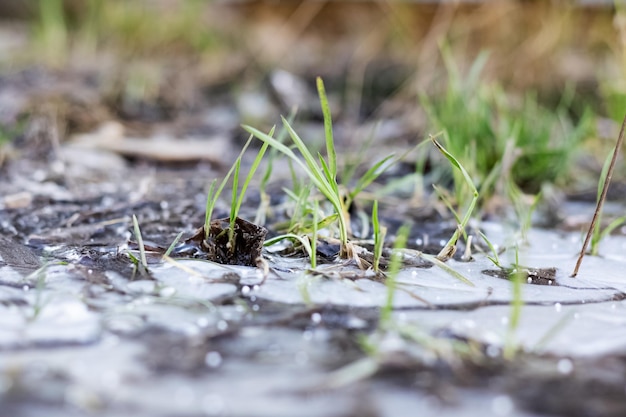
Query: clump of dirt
(244, 248)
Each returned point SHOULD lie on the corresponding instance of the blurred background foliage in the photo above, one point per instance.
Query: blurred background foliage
(553, 67)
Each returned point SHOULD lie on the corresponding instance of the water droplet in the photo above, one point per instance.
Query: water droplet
(502, 405)
(504, 320)
(26, 288)
(316, 318)
(419, 242)
(565, 366)
(222, 325)
(213, 359)
(529, 280)
(307, 335)
(252, 298)
(557, 307)
(256, 288)
(202, 322)
(245, 290)
(256, 307)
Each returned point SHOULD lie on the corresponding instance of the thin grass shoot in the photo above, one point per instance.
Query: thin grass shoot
(448, 251)
(392, 272)
(143, 263)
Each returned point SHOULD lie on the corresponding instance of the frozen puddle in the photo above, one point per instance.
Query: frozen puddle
(580, 330)
(196, 338)
(599, 279)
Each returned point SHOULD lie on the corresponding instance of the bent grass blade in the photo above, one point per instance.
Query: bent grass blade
(447, 252)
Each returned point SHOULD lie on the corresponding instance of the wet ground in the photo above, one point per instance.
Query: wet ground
(83, 329)
(86, 329)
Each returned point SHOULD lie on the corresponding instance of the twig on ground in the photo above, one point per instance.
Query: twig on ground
(605, 190)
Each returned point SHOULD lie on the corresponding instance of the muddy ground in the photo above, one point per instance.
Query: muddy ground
(85, 329)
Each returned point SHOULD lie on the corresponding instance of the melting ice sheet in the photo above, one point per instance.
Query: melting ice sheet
(599, 279)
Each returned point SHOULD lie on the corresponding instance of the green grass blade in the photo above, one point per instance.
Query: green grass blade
(212, 197)
(233, 202)
(328, 128)
(469, 182)
(210, 205)
(172, 245)
(281, 147)
(379, 236)
(456, 163)
(142, 248)
(392, 273)
(329, 175)
(290, 236)
(371, 175)
(595, 242)
(510, 345)
(494, 258)
(253, 168)
(316, 174)
(313, 253)
(446, 268)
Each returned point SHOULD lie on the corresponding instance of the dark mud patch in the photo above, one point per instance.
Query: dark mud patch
(534, 276)
(241, 246)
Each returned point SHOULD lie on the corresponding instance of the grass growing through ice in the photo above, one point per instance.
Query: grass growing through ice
(379, 237)
(237, 196)
(141, 263)
(264, 204)
(450, 248)
(321, 172)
